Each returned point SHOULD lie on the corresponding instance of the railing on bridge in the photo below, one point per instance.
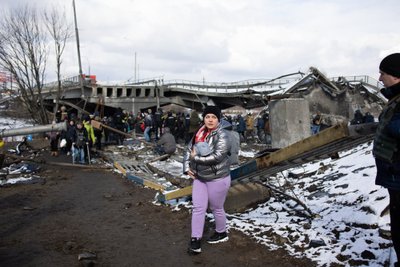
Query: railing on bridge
(147, 82)
(72, 81)
(236, 87)
(364, 79)
(218, 87)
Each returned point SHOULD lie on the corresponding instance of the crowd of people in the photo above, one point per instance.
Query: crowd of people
(360, 118)
(78, 140)
(159, 128)
(81, 138)
(183, 125)
(251, 129)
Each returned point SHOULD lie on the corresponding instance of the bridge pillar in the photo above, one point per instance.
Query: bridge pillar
(289, 121)
(113, 92)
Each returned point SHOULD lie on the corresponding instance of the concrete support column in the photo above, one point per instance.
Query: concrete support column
(114, 92)
(142, 92)
(289, 121)
(93, 91)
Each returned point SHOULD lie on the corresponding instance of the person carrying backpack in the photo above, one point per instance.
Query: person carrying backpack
(79, 143)
(210, 171)
(119, 123)
(241, 126)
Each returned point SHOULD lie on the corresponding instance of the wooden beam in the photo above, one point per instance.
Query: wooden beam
(145, 182)
(186, 191)
(120, 168)
(322, 138)
(99, 125)
(63, 102)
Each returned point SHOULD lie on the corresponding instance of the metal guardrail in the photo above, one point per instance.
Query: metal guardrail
(235, 87)
(359, 79)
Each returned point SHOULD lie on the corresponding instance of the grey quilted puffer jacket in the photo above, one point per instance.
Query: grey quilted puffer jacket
(215, 165)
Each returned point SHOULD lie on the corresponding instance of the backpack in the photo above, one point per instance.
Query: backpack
(157, 117)
(80, 138)
(118, 119)
(233, 154)
(148, 120)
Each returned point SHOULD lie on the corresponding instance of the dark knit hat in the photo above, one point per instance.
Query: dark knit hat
(391, 65)
(213, 110)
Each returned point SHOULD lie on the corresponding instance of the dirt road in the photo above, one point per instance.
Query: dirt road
(79, 210)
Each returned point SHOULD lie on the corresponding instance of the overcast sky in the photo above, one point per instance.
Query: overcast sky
(228, 40)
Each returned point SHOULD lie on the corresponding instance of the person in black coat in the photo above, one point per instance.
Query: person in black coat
(70, 135)
(387, 143)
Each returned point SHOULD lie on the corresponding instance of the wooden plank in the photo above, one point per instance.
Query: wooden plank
(145, 182)
(322, 138)
(318, 153)
(119, 167)
(99, 125)
(186, 191)
(137, 179)
(63, 102)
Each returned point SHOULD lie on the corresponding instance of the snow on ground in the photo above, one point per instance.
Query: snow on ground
(347, 225)
(8, 123)
(5, 124)
(346, 228)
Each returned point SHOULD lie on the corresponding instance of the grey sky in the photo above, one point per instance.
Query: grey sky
(229, 40)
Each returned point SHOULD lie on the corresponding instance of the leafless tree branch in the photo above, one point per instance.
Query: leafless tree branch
(60, 31)
(23, 52)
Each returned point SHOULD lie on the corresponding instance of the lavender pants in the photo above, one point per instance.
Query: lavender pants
(213, 192)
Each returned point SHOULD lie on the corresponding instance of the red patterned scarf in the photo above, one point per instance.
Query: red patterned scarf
(201, 134)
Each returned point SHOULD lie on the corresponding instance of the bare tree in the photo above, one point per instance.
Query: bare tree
(23, 52)
(60, 32)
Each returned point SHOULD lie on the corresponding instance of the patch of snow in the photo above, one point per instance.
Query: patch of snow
(15, 180)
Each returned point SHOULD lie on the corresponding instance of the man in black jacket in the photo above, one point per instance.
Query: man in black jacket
(387, 143)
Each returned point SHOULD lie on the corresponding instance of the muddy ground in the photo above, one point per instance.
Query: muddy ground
(75, 210)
